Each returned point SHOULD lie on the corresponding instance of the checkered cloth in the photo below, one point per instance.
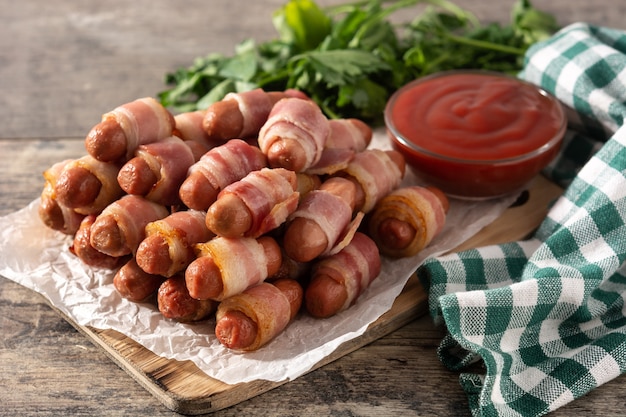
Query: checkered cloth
(547, 315)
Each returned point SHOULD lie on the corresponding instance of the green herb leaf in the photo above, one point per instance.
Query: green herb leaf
(532, 24)
(302, 23)
(350, 58)
(340, 67)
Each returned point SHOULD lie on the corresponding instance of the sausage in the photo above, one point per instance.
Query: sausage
(254, 205)
(126, 127)
(134, 284)
(338, 280)
(325, 296)
(120, 228)
(137, 177)
(229, 216)
(223, 120)
(241, 115)
(52, 213)
(218, 168)
(87, 185)
(320, 220)
(78, 187)
(225, 267)
(57, 216)
(406, 220)
(168, 246)
(174, 302)
(81, 247)
(157, 170)
(376, 173)
(106, 141)
(294, 135)
(248, 321)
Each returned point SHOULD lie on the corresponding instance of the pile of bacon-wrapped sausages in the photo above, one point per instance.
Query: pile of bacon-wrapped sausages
(248, 210)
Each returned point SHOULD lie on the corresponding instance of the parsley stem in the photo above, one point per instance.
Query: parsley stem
(486, 45)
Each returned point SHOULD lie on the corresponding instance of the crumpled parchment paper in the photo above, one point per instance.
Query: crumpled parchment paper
(38, 258)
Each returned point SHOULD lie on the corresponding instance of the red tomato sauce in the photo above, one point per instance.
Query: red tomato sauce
(476, 134)
(476, 116)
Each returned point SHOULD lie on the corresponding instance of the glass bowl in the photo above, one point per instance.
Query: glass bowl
(475, 134)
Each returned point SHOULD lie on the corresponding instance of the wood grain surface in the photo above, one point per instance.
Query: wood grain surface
(62, 64)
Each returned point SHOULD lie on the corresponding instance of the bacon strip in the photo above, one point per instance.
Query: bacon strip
(106, 173)
(241, 261)
(269, 196)
(255, 106)
(377, 173)
(170, 159)
(189, 128)
(349, 134)
(241, 114)
(265, 305)
(354, 267)
(299, 120)
(143, 121)
(225, 164)
(347, 137)
(330, 212)
(222, 166)
(418, 208)
(180, 230)
(120, 228)
(52, 213)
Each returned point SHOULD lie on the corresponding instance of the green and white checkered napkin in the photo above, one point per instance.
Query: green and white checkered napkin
(548, 315)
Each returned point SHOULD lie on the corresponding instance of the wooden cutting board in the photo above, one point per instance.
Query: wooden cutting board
(185, 389)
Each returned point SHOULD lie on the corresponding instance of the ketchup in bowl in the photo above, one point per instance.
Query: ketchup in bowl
(475, 134)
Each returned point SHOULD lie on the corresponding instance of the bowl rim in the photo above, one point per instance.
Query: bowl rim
(547, 146)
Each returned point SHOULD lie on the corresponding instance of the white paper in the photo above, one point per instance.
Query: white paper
(38, 258)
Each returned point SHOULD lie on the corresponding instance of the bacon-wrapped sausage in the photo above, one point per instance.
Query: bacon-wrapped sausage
(406, 220)
(120, 228)
(134, 284)
(126, 127)
(241, 115)
(157, 170)
(376, 172)
(174, 302)
(290, 268)
(351, 134)
(307, 183)
(52, 213)
(168, 247)
(254, 205)
(82, 248)
(347, 137)
(338, 280)
(189, 128)
(294, 135)
(322, 221)
(226, 266)
(219, 167)
(249, 320)
(88, 185)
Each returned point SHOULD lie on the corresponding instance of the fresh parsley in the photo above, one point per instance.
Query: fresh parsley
(350, 58)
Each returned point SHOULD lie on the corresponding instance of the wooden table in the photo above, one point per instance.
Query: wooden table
(65, 62)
